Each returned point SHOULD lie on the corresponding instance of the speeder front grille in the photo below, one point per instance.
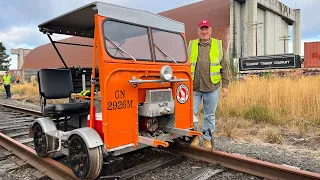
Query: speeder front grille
(155, 96)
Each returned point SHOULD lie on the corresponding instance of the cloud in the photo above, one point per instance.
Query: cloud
(309, 10)
(309, 23)
(24, 37)
(32, 13)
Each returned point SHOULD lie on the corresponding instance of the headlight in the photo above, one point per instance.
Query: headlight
(166, 73)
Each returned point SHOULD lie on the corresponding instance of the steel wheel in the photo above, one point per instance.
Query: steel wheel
(84, 162)
(183, 141)
(40, 141)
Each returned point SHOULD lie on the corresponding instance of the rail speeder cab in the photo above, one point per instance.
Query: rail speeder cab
(139, 84)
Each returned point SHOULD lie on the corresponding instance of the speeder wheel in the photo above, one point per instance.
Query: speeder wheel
(42, 144)
(84, 162)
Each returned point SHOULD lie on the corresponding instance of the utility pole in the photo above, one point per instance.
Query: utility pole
(256, 26)
(284, 38)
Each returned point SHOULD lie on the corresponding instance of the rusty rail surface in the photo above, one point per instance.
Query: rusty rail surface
(245, 164)
(50, 167)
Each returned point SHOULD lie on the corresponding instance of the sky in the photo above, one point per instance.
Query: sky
(19, 19)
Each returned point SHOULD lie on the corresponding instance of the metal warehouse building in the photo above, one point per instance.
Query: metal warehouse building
(247, 28)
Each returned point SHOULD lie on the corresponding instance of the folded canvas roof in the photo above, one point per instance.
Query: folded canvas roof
(80, 22)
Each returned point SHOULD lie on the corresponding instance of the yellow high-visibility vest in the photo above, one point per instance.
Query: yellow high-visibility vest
(6, 79)
(216, 54)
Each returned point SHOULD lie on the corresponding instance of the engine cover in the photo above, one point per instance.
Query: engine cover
(159, 102)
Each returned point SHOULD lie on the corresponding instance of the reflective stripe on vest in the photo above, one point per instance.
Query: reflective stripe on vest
(216, 54)
(6, 79)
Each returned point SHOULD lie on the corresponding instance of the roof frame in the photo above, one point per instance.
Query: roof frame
(80, 22)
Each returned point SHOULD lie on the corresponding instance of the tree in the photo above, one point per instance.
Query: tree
(4, 61)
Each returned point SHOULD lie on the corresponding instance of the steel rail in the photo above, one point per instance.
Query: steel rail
(50, 167)
(244, 164)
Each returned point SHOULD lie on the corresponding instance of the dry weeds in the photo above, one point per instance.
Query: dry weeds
(28, 92)
(259, 108)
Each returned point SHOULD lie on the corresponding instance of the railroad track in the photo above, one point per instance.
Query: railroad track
(14, 139)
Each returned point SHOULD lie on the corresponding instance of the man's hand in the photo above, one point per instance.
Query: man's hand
(224, 92)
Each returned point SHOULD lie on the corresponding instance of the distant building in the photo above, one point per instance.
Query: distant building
(254, 27)
(22, 53)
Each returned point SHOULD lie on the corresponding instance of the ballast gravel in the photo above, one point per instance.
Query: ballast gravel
(302, 158)
(190, 166)
(9, 169)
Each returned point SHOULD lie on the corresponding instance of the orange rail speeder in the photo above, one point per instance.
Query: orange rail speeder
(137, 93)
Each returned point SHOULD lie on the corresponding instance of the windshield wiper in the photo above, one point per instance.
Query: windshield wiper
(120, 49)
(165, 54)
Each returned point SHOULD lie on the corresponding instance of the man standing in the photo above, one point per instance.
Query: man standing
(6, 83)
(208, 69)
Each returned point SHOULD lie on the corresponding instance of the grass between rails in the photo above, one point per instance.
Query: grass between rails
(265, 109)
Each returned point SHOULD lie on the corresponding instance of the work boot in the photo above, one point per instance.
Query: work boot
(195, 142)
(207, 144)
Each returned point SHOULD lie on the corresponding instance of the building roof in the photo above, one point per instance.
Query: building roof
(45, 56)
(216, 11)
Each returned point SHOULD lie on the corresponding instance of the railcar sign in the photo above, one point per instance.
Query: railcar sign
(281, 61)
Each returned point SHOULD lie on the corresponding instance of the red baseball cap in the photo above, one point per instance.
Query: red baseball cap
(204, 23)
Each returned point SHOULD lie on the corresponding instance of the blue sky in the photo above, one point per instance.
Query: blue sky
(19, 19)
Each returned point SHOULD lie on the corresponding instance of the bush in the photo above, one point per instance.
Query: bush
(271, 135)
(260, 113)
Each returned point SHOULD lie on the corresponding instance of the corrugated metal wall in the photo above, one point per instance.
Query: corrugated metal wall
(311, 54)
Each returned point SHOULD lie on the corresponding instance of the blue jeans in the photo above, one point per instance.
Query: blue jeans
(210, 103)
(8, 92)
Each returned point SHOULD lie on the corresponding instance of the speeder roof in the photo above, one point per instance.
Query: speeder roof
(80, 22)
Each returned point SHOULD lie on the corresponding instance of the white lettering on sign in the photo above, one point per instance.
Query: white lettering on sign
(281, 62)
(265, 63)
(252, 64)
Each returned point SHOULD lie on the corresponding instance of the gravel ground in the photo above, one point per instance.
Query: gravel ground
(289, 155)
(303, 158)
(10, 170)
(19, 174)
(20, 104)
(18, 131)
(2, 150)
